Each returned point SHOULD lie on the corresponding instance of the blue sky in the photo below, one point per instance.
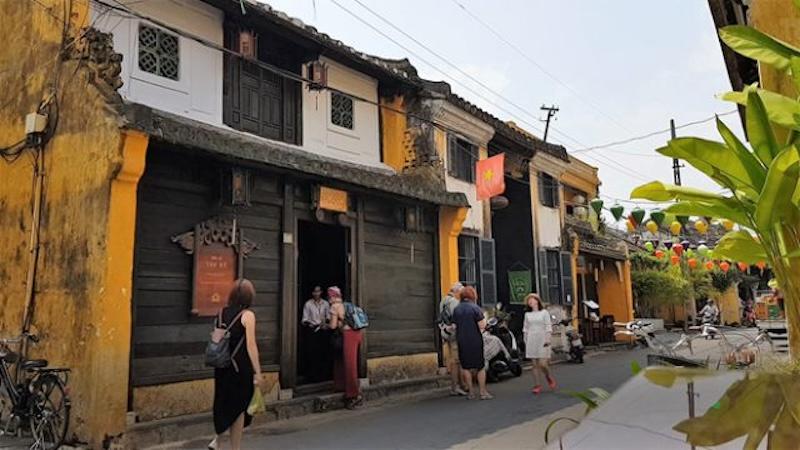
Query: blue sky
(634, 65)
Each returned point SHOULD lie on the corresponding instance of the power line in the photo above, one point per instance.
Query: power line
(536, 64)
(654, 133)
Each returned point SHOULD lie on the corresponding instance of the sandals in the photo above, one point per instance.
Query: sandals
(487, 396)
(536, 390)
(551, 382)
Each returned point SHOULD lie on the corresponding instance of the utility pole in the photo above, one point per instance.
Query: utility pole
(551, 112)
(676, 166)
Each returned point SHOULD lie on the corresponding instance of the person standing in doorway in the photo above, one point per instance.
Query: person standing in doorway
(315, 325)
(537, 330)
(235, 384)
(448, 331)
(345, 363)
(470, 323)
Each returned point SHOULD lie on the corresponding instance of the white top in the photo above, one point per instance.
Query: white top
(315, 313)
(537, 329)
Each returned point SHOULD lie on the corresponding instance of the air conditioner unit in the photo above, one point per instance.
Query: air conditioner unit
(318, 74)
(248, 44)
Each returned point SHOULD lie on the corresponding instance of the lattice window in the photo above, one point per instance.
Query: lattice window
(341, 110)
(158, 52)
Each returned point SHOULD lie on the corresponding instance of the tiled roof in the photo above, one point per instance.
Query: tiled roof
(596, 243)
(231, 144)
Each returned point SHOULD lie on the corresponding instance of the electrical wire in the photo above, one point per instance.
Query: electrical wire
(536, 64)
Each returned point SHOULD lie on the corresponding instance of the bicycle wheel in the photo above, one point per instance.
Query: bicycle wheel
(49, 412)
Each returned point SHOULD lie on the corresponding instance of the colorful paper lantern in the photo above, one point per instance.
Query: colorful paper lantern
(743, 266)
(710, 265)
(668, 244)
(678, 249)
(659, 254)
(597, 205)
(689, 253)
(692, 263)
(724, 266)
(683, 220)
(675, 259)
(638, 216)
(675, 227)
(727, 224)
(649, 246)
(630, 226)
(761, 265)
(657, 216)
(652, 226)
(701, 226)
(702, 249)
(617, 211)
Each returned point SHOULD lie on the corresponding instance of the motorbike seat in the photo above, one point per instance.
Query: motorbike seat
(31, 364)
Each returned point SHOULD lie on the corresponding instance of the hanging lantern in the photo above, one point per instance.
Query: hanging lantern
(675, 260)
(617, 211)
(710, 254)
(597, 205)
(701, 226)
(678, 249)
(683, 220)
(657, 216)
(649, 246)
(761, 265)
(668, 244)
(689, 253)
(709, 265)
(685, 243)
(659, 254)
(638, 216)
(727, 224)
(692, 263)
(702, 249)
(631, 227)
(725, 266)
(580, 212)
(652, 226)
(743, 266)
(675, 228)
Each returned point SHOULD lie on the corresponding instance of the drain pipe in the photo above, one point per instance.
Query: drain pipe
(33, 247)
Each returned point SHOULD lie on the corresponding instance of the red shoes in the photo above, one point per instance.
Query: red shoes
(537, 390)
(551, 382)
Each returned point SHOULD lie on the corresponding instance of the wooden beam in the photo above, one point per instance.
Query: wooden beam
(288, 375)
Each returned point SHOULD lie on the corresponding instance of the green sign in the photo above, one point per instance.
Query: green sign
(519, 283)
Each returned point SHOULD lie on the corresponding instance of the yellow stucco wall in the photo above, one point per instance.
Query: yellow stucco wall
(614, 291)
(779, 19)
(450, 222)
(728, 303)
(393, 129)
(83, 280)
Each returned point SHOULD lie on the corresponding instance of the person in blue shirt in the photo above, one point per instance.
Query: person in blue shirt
(470, 323)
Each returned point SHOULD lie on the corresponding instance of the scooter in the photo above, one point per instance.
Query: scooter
(500, 364)
(576, 349)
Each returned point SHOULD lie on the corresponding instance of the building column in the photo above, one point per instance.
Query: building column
(111, 315)
(450, 222)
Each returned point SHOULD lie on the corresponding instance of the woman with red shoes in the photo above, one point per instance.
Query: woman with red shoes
(537, 330)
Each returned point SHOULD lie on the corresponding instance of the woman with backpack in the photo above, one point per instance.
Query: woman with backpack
(346, 342)
(234, 385)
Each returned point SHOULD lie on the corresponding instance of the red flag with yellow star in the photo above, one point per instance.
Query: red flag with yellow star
(490, 180)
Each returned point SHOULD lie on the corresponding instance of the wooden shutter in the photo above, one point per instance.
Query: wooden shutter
(566, 277)
(488, 276)
(452, 155)
(554, 189)
(544, 286)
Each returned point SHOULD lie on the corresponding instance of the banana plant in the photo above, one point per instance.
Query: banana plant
(760, 181)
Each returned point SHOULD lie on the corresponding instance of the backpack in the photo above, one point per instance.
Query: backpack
(218, 349)
(355, 317)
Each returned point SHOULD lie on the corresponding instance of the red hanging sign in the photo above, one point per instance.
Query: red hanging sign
(491, 180)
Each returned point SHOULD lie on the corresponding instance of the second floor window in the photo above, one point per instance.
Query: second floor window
(159, 52)
(548, 190)
(468, 260)
(461, 157)
(342, 110)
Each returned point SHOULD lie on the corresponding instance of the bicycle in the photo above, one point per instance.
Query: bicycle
(39, 402)
(665, 353)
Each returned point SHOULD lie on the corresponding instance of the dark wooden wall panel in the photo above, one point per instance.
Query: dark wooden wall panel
(399, 289)
(176, 192)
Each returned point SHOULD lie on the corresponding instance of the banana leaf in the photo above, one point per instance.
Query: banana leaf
(720, 209)
(755, 171)
(775, 202)
(740, 246)
(759, 129)
(781, 110)
(795, 65)
(659, 192)
(756, 45)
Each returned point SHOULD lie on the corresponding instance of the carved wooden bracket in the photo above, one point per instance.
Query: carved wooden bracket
(216, 230)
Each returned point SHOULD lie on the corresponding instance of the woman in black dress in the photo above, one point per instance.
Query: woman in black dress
(234, 385)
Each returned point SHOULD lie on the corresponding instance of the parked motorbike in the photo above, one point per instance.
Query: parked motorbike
(500, 364)
(575, 343)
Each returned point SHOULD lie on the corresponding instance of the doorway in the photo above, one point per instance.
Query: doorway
(322, 260)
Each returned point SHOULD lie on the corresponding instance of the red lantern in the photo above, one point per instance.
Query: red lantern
(761, 265)
(678, 249)
(724, 266)
(742, 266)
(692, 263)
(710, 265)
(675, 260)
(659, 254)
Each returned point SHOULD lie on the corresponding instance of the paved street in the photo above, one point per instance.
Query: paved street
(445, 422)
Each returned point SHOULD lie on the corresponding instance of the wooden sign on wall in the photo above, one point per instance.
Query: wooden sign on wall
(219, 250)
(332, 199)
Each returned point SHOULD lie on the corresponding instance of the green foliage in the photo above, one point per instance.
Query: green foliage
(635, 367)
(656, 288)
(645, 261)
(722, 281)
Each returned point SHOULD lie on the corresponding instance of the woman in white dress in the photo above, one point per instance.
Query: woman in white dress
(536, 330)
